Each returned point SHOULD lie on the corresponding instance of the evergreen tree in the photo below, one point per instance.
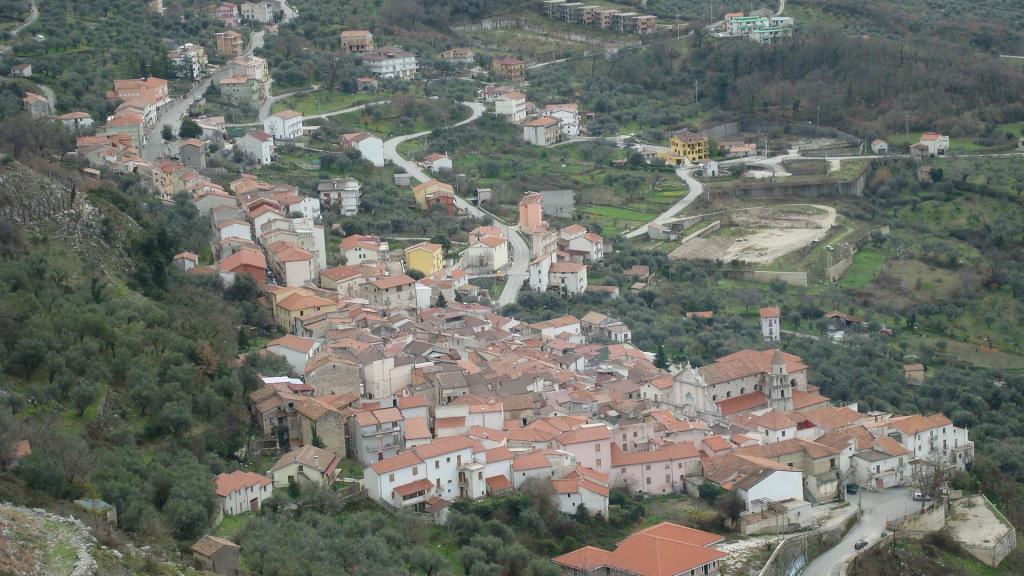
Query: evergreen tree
(167, 133)
(189, 128)
(660, 358)
(441, 301)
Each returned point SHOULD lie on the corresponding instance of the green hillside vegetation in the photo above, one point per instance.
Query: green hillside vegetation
(120, 370)
(89, 44)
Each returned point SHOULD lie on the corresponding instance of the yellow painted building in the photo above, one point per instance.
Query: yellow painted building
(427, 189)
(687, 147)
(426, 257)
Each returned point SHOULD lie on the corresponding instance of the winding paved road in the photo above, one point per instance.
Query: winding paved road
(172, 113)
(520, 257)
(696, 189)
(33, 15)
(878, 507)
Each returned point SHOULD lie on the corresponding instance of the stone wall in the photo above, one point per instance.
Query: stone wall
(920, 523)
(767, 276)
(798, 551)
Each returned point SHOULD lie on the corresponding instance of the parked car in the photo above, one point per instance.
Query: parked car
(919, 497)
(852, 488)
(860, 544)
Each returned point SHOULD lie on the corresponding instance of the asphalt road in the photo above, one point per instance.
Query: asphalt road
(696, 189)
(172, 113)
(520, 256)
(878, 507)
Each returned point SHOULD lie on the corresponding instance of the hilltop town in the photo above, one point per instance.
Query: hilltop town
(525, 288)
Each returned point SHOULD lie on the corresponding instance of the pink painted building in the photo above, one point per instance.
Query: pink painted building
(590, 444)
(660, 471)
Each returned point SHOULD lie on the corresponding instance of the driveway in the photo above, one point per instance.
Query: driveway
(878, 507)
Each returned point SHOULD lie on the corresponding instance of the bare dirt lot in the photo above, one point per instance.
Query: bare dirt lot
(760, 235)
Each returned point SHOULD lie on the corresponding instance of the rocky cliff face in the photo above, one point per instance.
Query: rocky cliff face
(55, 208)
(35, 542)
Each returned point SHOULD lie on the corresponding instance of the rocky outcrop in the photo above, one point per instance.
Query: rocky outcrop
(34, 542)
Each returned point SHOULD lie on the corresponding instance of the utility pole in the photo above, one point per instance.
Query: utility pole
(819, 114)
(695, 93)
(906, 126)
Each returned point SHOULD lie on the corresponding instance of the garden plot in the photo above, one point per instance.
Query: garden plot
(760, 235)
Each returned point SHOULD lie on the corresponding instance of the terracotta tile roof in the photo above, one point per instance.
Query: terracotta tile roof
(237, 480)
(498, 483)
(338, 273)
(652, 555)
(497, 454)
(397, 462)
(406, 402)
(839, 439)
(716, 443)
(831, 418)
(585, 559)
(209, 545)
(682, 534)
(747, 363)
(392, 281)
(533, 198)
(543, 121)
(741, 403)
(584, 434)
(244, 257)
(443, 446)
(568, 268)
(770, 312)
(417, 429)
(361, 241)
(287, 114)
(802, 400)
(293, 342)
(450, 422)
(890, 446)
(575, 484)
(741, 470)
(287, 252)
(917, 423)
(792, 446)
(487, 433)
(773, 420)
(302, 301)
(670, 451)
(310, 456)
(530, 461)
(421, 485)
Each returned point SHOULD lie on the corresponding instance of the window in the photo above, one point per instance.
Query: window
(437, 464)
(648, 480)
(648, 467)
(680, 465)
(300, 467)
(597, 448)
(623, 446)
(742, 390)
(391, 477)
(783, 433)
(448, 460)
(714, 397)
(598, 462)
(634, 433)
(415, 470)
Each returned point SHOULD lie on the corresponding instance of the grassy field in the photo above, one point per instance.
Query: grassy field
(323, 102)
(867, 264)
(230, 525)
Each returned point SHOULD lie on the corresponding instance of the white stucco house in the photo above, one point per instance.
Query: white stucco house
(257, 147)
(284, 125)
(295, 349)
(240, 492)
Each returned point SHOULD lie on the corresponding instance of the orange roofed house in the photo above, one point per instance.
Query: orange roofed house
(664, 549)
(241, 492)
